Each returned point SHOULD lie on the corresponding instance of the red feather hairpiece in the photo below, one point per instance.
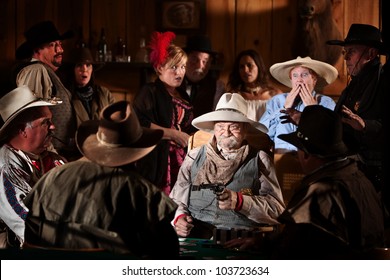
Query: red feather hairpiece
(159, 46)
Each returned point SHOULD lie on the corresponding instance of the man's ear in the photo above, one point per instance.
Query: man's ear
(372, 53)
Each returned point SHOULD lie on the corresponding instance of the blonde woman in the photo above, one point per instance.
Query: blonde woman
(159, 105)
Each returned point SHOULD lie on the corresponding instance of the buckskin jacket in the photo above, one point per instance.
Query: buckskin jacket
(83, 205)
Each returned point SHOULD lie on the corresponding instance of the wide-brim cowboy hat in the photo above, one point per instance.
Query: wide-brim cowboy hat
(82, 56)
(17, 101)
(39, 34)
(199, 43)
(362, 34)
(319, 133)
(231, 107)
(117, 138)
(327, 74)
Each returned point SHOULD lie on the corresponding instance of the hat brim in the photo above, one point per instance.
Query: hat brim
(211, 52)
(375, 44)
(38, 103)
(337, 150)
(327, 74)
(96, 65)
(206, 121)
(112, 156)
(25, 50)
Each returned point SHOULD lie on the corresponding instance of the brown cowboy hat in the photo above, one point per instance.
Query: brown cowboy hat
(362, 34)
(320, 133)
(82, 56)
(39, 34)
(117, 138)
(327, 74)
(17, 101)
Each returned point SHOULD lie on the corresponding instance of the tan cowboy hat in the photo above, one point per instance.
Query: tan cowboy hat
(327, 74)
(17, 101)
(319, 133)
(231, 107)
(117, 138)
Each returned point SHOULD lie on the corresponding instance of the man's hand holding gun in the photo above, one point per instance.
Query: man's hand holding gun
(227, 199)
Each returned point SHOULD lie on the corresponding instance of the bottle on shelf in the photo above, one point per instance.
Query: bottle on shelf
(120, 55)
(102, 48)
(142, 54)
(80, 43)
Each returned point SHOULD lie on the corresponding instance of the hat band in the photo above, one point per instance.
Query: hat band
(231, 110)
(101, 141)
(54, 100)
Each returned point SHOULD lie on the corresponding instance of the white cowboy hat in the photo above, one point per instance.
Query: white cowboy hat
(17, 101)
(327, 74)
(231, 107)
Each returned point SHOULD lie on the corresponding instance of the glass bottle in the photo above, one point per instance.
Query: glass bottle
(120, 55)
(80, 43)
(142, 53)
(102, 47)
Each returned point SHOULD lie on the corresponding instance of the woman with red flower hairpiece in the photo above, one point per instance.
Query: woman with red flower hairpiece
(159, 105)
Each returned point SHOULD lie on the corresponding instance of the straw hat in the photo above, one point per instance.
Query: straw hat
(231, 107)
(41, 33)
(17, 101)
(117, 138)
(327, 74)
(319, 132)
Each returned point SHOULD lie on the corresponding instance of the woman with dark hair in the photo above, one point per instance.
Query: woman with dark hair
(249, 77)
(88, 98)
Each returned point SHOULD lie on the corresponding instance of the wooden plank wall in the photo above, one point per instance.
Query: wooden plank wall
(233, 25)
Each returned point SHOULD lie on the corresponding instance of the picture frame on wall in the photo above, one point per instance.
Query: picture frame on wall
(182, 16)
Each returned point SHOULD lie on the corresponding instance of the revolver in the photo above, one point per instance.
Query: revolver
(216, 188)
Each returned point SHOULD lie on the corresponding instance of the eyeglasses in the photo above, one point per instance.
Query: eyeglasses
(45, 123)
(233, 128)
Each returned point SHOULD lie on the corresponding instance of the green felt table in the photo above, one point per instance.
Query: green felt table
(206, 249)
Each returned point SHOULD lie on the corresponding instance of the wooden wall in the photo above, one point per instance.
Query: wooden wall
(233, 25)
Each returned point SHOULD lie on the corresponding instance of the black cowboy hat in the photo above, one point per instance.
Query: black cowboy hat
(39, 34)
(320, 133)
(362, 34)
(199, 43)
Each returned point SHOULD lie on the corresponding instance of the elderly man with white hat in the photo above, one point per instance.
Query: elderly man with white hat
(306, 77)
(25, 136)
(251, 195)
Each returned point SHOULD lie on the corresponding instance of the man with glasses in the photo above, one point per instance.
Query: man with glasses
(226, 183)
(25, 136)
(43, 49)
